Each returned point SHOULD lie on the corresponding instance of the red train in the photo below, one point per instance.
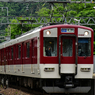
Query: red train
(53, 57)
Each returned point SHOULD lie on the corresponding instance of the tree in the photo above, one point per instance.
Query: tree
(18, 29)
(73, 10)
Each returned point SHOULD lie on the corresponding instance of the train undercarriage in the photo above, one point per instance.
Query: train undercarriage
(67, 84)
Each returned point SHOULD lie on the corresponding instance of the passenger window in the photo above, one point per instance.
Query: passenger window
(84, 47)
(22, 49)
(28, 49)
(9, 52)
(2, 54)
(50, 46)
(12, 53)
(19, 51)
(67, 47)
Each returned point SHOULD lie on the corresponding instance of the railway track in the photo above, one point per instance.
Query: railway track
(33, 91)
(16, 85)
(27, 90)
(30, 91)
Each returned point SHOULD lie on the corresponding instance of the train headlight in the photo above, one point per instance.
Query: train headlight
(86, 33)
(48, 32)
(48, 69)
(85, 69)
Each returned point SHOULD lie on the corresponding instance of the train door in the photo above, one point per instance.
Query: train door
(11, 55)
(32, 42)
(15, 57)
(27, 53)
(5, 61)
(34, 54)
(68, 55)
(7, 56)
(23, 53)
(34, 51)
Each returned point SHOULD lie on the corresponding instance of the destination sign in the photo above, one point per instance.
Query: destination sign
(67, 30)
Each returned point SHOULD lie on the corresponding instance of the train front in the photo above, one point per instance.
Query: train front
(66, 58)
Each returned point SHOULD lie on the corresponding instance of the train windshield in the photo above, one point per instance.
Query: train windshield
(67, 47)
(50, 46)
(84, 47)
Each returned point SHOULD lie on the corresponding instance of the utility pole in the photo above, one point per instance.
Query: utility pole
(9, 36)
(7, 11)
(3, 37)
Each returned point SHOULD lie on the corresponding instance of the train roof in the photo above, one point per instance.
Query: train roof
(67, 25)
(19, 39)
(27, 35)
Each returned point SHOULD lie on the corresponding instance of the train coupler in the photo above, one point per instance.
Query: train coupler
(68, 83)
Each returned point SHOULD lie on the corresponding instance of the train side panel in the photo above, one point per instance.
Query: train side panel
(22, 56)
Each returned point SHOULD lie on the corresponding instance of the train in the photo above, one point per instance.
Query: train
(56, 58)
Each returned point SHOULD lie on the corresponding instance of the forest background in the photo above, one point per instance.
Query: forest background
(41, 9)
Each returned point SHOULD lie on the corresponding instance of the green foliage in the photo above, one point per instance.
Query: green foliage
(16, 92)
(19, 9)
(43, 12)
(18, 29)
(94, 47)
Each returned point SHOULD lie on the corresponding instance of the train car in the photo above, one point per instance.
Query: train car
(56, 58)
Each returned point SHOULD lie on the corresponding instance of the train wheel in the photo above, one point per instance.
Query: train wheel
(7, 83)
(2, 82)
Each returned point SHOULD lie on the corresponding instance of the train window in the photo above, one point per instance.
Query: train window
(7, 52)
(28, 50)
(2, 54)
(50, 46)
(22, 49)
(84, 47)
(11, 52)
(15, 54)
(67, 47)
(19, 51)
